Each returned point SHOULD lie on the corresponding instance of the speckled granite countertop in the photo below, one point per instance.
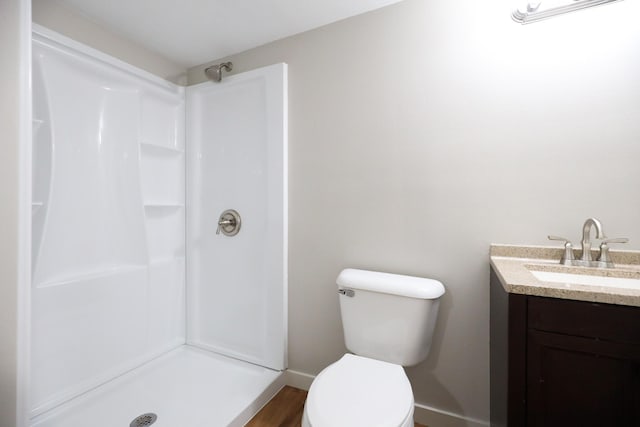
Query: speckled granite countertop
(513, 265)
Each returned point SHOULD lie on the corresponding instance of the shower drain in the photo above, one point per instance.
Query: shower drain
(144, 420)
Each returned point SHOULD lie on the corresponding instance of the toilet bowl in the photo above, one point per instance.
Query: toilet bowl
(388, 322)
(358, 391)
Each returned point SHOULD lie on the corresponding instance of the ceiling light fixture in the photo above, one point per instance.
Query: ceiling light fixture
(536, 10)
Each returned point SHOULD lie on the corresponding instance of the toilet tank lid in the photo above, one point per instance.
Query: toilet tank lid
(387, 283)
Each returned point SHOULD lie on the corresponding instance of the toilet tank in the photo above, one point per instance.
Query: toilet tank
(388, 317)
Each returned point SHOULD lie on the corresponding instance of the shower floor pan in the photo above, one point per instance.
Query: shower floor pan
(185, 387)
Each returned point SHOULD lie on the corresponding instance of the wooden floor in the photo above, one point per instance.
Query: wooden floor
(284, 410)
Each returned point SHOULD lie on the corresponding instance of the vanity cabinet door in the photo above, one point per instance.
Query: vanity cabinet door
(579, 381)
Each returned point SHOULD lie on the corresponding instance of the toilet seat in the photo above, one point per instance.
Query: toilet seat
(358, 391)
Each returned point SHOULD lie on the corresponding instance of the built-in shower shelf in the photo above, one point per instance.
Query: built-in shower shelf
(160, 150)
(35, 206)
(84, 277)
(163, 205)
(166, 260)
(36, 123)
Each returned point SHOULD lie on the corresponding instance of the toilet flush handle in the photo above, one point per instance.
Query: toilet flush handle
(347, 292)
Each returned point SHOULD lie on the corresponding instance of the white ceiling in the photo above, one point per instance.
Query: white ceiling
(192, 32)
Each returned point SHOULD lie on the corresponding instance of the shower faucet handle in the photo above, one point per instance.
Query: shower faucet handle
(224, 223)
(229, 223)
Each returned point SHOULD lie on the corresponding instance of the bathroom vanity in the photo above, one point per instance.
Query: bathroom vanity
(563, 353)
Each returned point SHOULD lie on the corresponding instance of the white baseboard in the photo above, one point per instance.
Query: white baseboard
(298, 379)
(431, 417)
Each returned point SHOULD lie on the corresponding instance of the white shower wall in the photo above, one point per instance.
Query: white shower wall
(108, 219)
(237, 159)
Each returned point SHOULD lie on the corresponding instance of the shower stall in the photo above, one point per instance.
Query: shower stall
(141, 309)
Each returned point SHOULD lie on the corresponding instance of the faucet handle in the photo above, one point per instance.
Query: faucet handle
(567, 256)
(562, 239)
(615, 240)
(604, 250)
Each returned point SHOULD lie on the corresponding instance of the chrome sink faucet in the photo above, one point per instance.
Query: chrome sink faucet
(603, 260)
(586, 237)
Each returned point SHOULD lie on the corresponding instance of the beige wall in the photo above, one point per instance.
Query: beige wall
(424, 131)
(62, 19)
(14, 35)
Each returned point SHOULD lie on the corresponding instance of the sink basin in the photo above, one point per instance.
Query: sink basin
(586, 279)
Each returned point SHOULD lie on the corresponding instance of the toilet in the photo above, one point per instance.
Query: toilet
(388, 322)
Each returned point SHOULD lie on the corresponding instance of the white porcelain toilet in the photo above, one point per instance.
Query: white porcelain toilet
(388, 322)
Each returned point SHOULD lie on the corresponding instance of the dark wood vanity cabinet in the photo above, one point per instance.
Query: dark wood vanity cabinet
(557, 362)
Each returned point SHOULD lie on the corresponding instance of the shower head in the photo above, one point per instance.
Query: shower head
(214, 72)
